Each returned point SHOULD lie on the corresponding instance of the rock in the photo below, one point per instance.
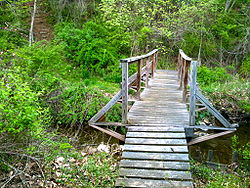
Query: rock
(72, 160)
(59, 160)
(83, 154)
(103, 148)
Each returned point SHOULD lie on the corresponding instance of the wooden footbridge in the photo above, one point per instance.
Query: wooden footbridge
(158, 122)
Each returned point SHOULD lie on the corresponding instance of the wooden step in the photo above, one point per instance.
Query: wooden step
(138, 182)
(155, 156)
(165, 165)
(150, 141)
(155, 174)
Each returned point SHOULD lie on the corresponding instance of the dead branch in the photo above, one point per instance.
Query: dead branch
(31, 37)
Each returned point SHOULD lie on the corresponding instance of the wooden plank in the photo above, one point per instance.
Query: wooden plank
(208, 137)
(184, 56)
(155, 174)
(109, 124)
(155, 129)
(149, 148)
(104, 110)
(155, 135)
(210, 128)
(133, 59)
(139, 66)
(139, 182)
(149, 141)
(193, 92)
(156, 156)
(145, 164)
(124, 92)
(110, 132)
(211, 109)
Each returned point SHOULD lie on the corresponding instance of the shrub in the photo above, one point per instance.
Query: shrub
(245, 67)
(20, 111)
(77, 104)
(206, 76)
(89, 47)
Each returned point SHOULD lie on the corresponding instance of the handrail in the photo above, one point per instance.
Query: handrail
(150, 67)
(184, 56)
(184, 64)
(183, 67)
(144, 68)
(137, 58)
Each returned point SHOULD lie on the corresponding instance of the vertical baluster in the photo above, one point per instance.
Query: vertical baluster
(139, 65)
(192, 93)
(124, 91)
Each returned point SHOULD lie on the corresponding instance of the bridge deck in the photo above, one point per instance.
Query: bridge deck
(155, 151)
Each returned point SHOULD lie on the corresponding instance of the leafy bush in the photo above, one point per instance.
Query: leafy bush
(77, 104)
(234, 95)
(206, 76)
(89, 47)
(20, 110)
(210, 178)
(245, 67)
(242, 150)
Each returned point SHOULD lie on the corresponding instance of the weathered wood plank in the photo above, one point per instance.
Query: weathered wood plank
(211, 109)
(184, 56)
(145, 164)
(149, 141)
(156, 156)
(193, 93)
(155, 129)
(138, 182)
(155, 135)
(149, 148)
(114, 100)
(133, 59)
(210, 128)
(109, 132)
(156, 174)
(208, 137)
(124, 92)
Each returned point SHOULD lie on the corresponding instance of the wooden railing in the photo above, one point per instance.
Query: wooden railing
(146, 66)
(143, 67)
(183, 70)
(187, 74)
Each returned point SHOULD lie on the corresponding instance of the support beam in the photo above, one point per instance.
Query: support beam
(109, 132)
(208, 137)
(212, 110)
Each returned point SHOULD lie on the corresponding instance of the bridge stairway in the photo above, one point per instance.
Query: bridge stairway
(155, 151)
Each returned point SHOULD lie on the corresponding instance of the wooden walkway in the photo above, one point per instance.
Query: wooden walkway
(155, 151)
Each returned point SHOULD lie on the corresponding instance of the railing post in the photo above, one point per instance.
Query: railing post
(147, 70)
(179, 66)
(183, 65)
(153, 64)
(139, 65)
(193, 89)
(124, 65)
(185, 81)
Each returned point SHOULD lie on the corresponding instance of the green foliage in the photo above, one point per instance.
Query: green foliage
(242, 150)
(77, 104)
(234, 95)
(12, 24)
(206, 76)
(245, 67)
(90, 48)
(210, 178)
(89, 171)
(20, 110)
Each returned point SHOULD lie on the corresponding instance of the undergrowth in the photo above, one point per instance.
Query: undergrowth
(218, 178)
